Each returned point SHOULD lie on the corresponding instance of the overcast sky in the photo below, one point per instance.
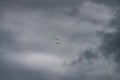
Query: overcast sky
(53, 40)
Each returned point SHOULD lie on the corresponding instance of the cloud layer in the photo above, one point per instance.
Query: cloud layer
(31, 29)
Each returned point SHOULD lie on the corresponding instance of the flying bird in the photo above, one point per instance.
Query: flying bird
(57, 43)
(57, 40)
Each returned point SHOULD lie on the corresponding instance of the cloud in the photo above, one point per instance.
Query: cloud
(38, 61)
(111, 3)
(42, 3)
(110, 40)
(32, 53)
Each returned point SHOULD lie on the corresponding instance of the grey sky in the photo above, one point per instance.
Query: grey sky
(28, 32)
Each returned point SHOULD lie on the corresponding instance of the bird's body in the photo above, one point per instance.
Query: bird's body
(57, 43)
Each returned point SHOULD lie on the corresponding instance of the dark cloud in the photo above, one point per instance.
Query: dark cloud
(42, 3)
(111, 45)
(112, 3)
(34, 31)
(110, 40)
(7, 73)
(88, 55)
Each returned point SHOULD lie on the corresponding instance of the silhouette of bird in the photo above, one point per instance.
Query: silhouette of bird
(57, 43)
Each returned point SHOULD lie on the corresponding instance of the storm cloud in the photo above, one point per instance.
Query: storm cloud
(54, 40)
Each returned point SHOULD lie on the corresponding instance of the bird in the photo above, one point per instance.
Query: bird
(57, 43)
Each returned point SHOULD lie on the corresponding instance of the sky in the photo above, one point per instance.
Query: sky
(55, 40)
